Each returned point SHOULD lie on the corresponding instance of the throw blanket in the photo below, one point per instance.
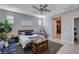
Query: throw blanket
(23, 40)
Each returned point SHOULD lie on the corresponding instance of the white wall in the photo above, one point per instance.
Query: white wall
(67, 24)
(18, 17)
(48, 27)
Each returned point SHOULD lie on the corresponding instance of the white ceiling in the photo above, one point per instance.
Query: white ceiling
(28, 9)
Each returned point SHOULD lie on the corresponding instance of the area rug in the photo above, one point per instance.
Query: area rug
(53, 48)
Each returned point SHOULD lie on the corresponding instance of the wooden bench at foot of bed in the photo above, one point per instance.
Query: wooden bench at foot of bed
(39, 45)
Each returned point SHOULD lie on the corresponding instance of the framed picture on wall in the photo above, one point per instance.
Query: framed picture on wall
(26, 23)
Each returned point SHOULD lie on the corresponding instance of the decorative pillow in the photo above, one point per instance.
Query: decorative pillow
(28, 33)
(11, 41)
(1, 45)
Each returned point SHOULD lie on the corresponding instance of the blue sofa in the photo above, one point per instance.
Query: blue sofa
(11, 48)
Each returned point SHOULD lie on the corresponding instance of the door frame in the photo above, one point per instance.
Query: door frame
(54, 24)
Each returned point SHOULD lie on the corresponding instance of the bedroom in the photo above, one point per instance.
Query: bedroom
(20, 22)
(26, 25)
(30, 27)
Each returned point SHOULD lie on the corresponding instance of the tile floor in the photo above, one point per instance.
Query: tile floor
(68, 48)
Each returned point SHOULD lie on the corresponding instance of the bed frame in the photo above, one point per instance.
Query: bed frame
(20, 31)
(36, 46)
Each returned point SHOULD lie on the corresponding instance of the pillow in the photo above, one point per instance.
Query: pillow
(23, 33)
(1, 45)
(28, 33)
(11, 41)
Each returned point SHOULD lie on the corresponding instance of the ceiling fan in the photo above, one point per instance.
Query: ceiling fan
(42, 8)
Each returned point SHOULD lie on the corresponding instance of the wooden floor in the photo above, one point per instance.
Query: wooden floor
(53, 48)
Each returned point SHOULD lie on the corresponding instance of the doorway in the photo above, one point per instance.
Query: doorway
(56, 22)
(76, 30)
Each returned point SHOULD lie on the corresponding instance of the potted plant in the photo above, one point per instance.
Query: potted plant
(5, 28)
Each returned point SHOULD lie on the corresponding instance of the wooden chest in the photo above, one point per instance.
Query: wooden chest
(39, 45)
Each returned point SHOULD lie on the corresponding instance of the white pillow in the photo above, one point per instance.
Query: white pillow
(23, 33)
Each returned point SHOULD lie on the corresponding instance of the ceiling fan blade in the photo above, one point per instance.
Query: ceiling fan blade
(35, 7)
(47, 10)
(45, 6)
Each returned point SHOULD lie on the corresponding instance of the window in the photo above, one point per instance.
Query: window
(10, 18)
(39, 22)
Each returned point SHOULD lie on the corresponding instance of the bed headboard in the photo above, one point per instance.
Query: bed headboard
(20, 31)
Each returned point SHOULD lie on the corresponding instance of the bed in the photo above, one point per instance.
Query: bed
(26, 37)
